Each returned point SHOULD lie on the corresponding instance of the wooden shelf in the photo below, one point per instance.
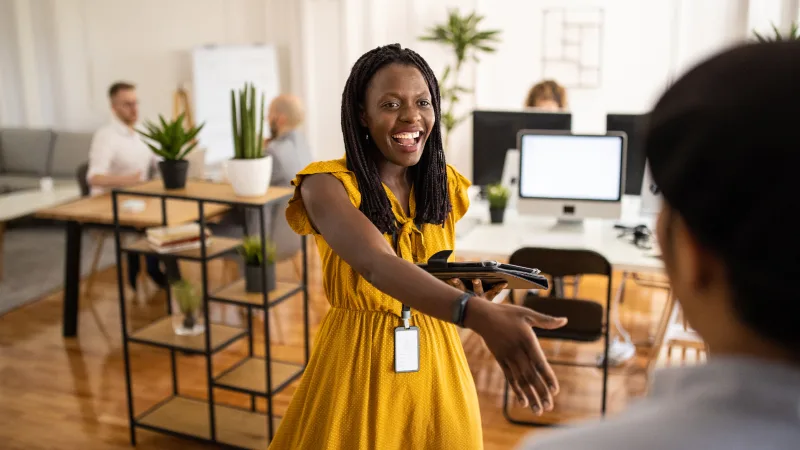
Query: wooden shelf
(236, 293)
(189, 417)
(211, 192)
(218, 246)
(251, 376)
(161, 333)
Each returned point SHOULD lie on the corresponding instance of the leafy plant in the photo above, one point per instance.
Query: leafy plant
(188, 301)
(498, 196)
(793, 35)
(251, 251)
(171, 138)
(247, 144)
(462, 35)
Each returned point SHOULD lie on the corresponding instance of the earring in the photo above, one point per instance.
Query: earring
(367, 136)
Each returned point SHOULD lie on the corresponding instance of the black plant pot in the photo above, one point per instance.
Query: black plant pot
(496, 214)
(173, 173)
(253, 281)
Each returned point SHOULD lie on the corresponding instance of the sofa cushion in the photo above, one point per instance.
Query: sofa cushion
(19, 182)
(70, 150)
(26, 151)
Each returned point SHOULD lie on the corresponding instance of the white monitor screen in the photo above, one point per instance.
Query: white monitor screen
(571, 167)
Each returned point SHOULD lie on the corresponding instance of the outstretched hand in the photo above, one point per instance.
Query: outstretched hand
(507, 331)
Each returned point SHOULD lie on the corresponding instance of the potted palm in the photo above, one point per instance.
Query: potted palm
(250, 170)
(173, 143)
(254, 259)
(498, 199)
(462, 34)
(187, 318)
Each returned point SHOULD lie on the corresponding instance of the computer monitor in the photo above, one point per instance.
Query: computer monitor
(571, 176)
(634, 126)
(494, 132)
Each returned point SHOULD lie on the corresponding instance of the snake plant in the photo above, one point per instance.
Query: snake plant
(248, 127)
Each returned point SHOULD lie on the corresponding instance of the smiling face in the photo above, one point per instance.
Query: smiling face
(398, 112)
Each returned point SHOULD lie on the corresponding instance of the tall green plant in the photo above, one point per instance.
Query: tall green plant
(467, 41)
(171, 138)
(793, 35)
(248, 125)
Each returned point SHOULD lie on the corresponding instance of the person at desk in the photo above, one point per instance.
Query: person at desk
(547, 96)
(287, 145)
(390, 202)
(118, 157)
(730, 256)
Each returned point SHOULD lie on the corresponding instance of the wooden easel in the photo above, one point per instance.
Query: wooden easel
(181, 104)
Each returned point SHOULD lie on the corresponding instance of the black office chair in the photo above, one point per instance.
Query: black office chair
(588, 321)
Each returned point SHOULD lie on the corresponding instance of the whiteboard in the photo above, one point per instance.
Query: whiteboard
(216, 70)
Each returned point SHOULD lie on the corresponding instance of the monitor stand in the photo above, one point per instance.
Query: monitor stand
(565, 224)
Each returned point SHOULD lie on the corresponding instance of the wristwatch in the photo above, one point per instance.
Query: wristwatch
(460, 308)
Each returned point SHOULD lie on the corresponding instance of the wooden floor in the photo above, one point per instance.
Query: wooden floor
(70, 393)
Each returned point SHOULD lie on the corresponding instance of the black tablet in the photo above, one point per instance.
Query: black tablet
(489, 272)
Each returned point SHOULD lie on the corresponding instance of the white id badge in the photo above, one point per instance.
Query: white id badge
(406, 349)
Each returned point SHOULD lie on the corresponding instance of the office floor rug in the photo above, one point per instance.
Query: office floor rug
(33, 263)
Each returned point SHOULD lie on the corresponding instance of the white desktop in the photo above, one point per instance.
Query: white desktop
(571, 176)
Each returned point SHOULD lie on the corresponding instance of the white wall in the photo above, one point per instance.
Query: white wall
(57, 57)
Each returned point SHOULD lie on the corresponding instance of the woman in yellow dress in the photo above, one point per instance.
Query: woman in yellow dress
(373, 380)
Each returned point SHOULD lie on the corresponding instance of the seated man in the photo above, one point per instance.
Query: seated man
(722, 148)
(287, 145)
(118, 157)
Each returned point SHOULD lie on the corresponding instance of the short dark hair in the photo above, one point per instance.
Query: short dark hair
(119, 86)
(430, 174)
(723, 149)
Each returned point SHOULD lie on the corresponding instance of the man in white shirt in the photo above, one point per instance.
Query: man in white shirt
(722, 149)
(118, 157)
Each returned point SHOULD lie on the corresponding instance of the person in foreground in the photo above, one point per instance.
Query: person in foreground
(723, 150)
(390, 202)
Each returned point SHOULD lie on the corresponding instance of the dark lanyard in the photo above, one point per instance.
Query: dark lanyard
(406, 310)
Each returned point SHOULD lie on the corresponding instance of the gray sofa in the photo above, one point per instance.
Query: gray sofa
(28, 155)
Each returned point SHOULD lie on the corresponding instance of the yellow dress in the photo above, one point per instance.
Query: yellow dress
(350, 396)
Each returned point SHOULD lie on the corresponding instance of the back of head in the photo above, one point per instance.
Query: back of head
(547, 91)
(723, 149)
(291, 108)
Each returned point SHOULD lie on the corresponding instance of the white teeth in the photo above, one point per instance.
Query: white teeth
(413, 135)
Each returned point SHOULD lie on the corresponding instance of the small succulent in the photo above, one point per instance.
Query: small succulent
(498, 196)
(251, 251)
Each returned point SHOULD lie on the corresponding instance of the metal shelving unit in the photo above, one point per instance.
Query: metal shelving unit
(205, 419)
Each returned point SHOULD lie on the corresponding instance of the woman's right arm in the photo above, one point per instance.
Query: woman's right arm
(505, 328)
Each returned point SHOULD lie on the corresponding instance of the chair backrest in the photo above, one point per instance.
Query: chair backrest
(562, 262)
(80, 173)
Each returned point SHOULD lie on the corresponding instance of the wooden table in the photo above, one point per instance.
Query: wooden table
(98, 212)
(16, 204)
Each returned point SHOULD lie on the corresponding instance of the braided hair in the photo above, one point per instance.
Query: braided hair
(429, 175)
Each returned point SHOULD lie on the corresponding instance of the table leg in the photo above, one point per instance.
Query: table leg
(72, 279)
(2, 233)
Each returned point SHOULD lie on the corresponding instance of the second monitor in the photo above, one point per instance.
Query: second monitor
(494, 132)
(571, 176)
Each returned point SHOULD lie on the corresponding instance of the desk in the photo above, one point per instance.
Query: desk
(477, 237)
(18, 204)
(97, 212)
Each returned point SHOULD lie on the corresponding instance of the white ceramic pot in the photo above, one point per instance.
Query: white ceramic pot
(250, 177)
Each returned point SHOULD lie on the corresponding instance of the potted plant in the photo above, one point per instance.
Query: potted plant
(172, 140)
(792, 35)
(498, 199)
(187, 320)
(250, 171)
(466, 40)
(254, 259)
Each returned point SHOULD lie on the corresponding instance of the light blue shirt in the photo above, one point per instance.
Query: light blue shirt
(726, 404)
(290, 154)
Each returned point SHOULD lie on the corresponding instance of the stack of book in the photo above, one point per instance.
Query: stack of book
(176, 238)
